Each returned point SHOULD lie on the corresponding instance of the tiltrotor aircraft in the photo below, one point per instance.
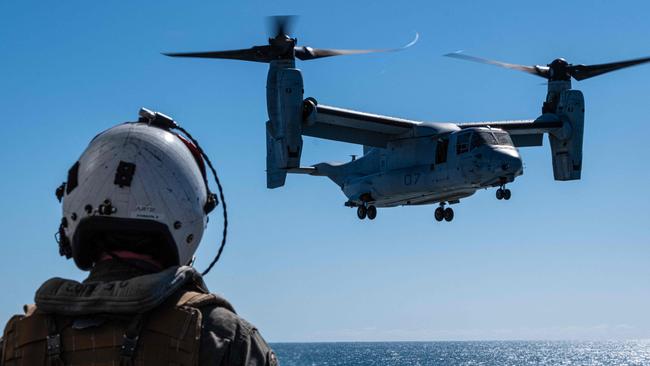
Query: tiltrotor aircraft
(409, 162)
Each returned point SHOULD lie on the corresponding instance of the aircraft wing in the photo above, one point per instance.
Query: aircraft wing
(524, 133)
(352, 126)
(368, 129)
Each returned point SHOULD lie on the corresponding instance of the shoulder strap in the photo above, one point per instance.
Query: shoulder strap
(53, 341)
(195, 299)
(130, 339)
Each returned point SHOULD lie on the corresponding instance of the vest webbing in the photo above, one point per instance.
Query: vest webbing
(170, 335)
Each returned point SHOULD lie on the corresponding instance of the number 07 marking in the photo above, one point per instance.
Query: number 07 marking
(410, 179)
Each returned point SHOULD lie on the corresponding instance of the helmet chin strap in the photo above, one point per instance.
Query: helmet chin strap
(166, 122)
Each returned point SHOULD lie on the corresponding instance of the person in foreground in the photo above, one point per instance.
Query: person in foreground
(135, 206)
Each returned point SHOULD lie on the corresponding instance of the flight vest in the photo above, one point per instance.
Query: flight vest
(149, 320)
(168, 335)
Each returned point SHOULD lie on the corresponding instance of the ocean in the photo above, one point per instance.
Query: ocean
(615, 353)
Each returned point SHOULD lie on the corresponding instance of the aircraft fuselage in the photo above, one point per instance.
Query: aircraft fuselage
(427, 170)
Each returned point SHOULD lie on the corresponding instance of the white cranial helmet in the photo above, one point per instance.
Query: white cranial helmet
(137, 178)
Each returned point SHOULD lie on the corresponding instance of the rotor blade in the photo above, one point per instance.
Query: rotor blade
(256, 54)
(541, 71)
(309, 53)
(581, 72)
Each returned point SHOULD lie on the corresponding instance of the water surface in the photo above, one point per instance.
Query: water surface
(624, 353)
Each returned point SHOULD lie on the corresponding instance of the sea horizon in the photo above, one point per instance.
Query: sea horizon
(465, 340)
(452, 353)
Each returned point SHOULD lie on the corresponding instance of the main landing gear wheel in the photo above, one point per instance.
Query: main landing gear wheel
(449, 214)
(362, 212)
(439, 214)
(503, 194)
(371, 211)
(443, 213)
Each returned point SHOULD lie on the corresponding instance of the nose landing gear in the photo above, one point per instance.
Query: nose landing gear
(442, 213)
(503, 193)
(369, 211)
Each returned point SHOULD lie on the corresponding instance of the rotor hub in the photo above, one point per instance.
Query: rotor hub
(559, 70)
(282, 47)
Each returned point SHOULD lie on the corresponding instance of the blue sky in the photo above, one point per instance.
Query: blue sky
(561, 260)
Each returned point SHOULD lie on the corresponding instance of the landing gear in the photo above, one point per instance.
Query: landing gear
(362, 212)
(449, 214)
(372, 212)
(443, 213)
(369, 211)
(439, 214)
(503, 193)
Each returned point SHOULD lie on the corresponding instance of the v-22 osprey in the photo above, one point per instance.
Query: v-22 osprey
(408, 162)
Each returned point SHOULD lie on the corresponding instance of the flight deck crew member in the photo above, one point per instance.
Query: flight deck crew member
(135, 206)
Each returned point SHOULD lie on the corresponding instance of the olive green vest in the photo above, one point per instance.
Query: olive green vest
(169, 334)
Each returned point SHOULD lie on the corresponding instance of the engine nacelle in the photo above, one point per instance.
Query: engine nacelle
(566, 145)
(284, 93)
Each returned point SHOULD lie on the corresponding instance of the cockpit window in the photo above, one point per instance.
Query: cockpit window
(462, 143)
(489, 138)
(503, 138)
(482, 138)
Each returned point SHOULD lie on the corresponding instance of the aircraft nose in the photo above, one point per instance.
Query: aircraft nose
(512, 165)
(509, 163)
